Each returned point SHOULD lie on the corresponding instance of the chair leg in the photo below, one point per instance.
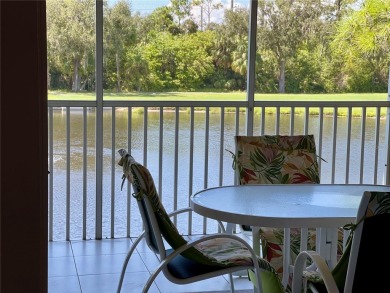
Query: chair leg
(231, 283)
(124, 266)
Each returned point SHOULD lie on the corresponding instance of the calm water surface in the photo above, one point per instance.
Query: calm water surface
(115, 200)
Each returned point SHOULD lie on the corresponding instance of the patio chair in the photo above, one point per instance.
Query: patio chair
(184, 262)
(362, 267)
(278, 159)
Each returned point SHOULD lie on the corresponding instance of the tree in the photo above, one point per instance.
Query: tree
(179, 62)
(285, 25)
(362, 41)
(136, 69)
(189, 27)
(207, 7)
(160, 20)
(70, 38)
(240, 56)
(181, 8)
(119, 35)
(235, 26)
(232, 32)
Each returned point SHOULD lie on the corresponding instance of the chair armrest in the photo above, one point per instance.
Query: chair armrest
(209, 237)
(189, 210)
(180, 211)
(322, 268)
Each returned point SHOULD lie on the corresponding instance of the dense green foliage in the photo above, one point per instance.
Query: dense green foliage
(303, 46)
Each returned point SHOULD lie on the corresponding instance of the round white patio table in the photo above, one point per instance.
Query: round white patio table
(322, 206)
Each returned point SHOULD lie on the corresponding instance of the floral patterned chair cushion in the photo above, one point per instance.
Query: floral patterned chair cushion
(277, 159)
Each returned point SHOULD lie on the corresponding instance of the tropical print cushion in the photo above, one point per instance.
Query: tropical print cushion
(272, 245)
(277, 159)
(229, 251)
(215, 252)
(379, 204)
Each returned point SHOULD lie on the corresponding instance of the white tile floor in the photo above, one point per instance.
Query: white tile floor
(93, 266)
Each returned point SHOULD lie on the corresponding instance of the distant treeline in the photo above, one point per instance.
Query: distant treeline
(303, 46)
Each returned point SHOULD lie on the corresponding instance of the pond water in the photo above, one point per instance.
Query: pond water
(206, 172)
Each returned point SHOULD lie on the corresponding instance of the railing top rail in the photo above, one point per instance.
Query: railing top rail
(322, 104)
(64, 103)
(154, 103)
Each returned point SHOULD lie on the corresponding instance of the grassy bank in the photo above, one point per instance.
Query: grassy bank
(234, 96)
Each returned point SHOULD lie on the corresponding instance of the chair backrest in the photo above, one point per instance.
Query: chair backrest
(370, 253)
(157, 223)
(276, 159)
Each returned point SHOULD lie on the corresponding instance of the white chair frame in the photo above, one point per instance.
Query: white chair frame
(164, 259)
(322, 266)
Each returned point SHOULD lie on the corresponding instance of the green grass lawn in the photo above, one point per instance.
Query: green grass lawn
(234, 96)
(214, 96)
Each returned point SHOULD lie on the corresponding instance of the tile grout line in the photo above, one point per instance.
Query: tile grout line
(75, 265)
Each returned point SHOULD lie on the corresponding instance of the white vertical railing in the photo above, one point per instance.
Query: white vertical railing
(352, 156)
(362, 144)
(348, 153)
(376, 149)
(206, 158)
(160, 150)
(129, 197)
(221, 145)
(85, 171)
(320, 135)
(146, 136)
(191, 165)
(334, 139)
(113, 165)
(67, 220)
(176, 162)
